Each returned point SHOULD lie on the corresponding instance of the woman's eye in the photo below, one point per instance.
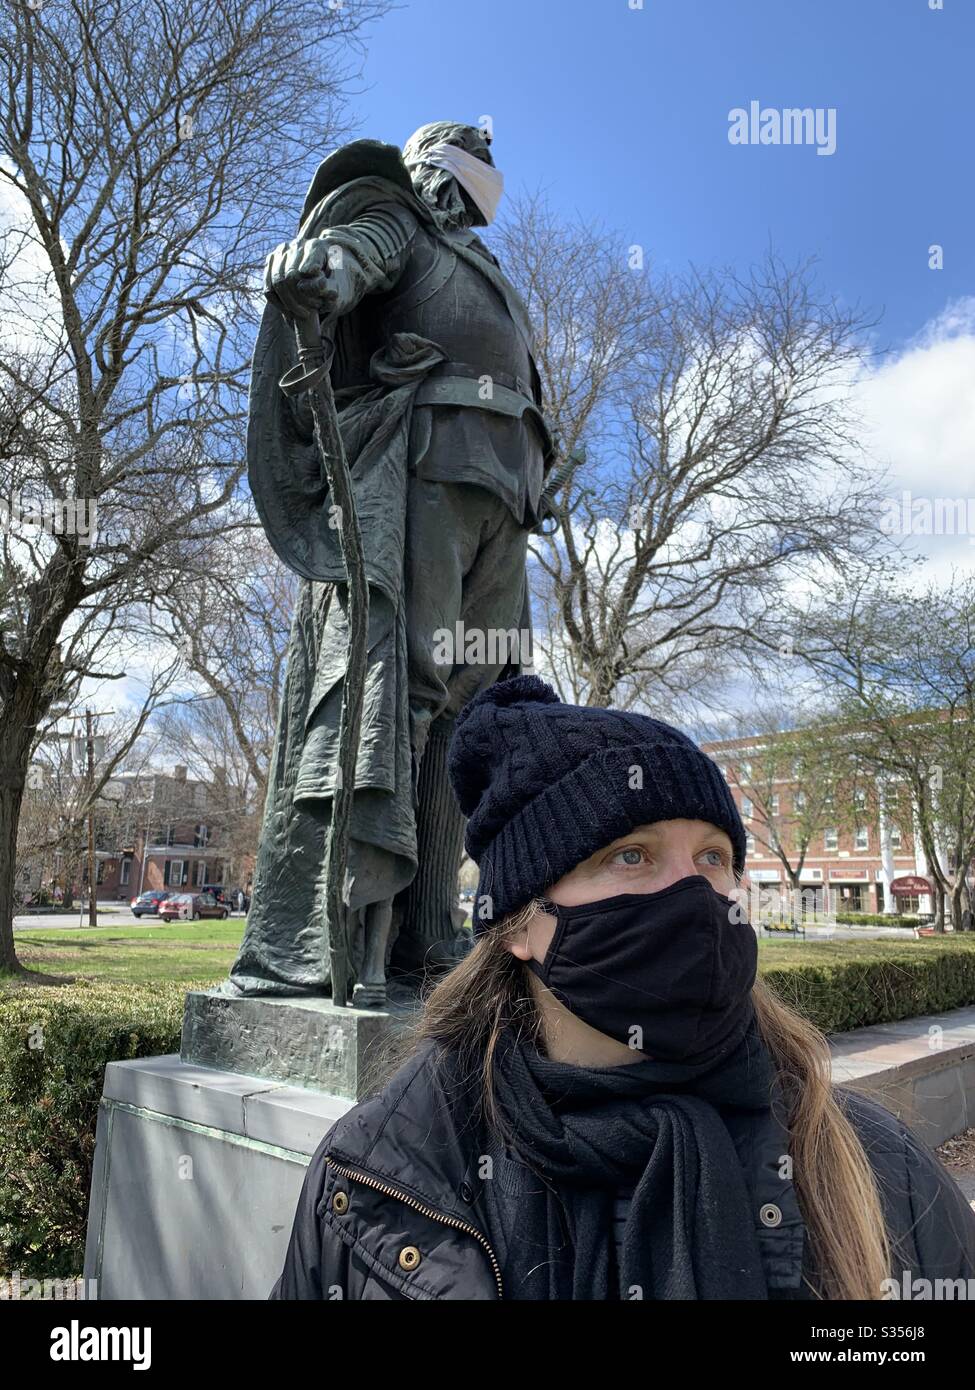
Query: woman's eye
(628, 856)
(716, 858)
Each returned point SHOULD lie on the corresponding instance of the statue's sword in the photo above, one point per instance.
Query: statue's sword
(312, 375)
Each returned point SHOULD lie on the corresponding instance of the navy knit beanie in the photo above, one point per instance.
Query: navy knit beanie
(545, 785)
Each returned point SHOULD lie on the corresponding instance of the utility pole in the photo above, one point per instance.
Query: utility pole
(145, 843)
(90, 747)
(89, 717)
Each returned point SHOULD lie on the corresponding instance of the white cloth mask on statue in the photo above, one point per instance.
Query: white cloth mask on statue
(483, 182)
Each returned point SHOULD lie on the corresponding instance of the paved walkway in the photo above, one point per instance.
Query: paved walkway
(866, 1051)
(109, 915)
(864, 1054)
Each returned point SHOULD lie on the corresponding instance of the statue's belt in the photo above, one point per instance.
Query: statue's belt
(459, 383)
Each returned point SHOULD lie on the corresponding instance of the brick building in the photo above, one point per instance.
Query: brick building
(161, 830)
(863, 865)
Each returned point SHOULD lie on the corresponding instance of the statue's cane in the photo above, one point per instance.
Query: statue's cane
(312, 375)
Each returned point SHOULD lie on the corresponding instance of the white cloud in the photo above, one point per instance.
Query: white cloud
(28, 302)
(919, 406)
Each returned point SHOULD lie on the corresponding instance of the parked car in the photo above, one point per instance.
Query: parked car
(148, 904)
(178, 907)
(225, 895)
(182, 907)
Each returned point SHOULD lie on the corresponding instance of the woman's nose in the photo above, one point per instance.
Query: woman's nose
(678, 866)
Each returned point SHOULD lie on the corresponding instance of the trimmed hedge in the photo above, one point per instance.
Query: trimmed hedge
(851, 919)
(879, 919)
(54, 1046)
(904, 981)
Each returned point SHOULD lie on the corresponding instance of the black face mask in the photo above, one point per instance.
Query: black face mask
(668, 973)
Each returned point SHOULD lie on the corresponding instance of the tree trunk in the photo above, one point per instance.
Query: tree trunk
(11, 795)
(957, 904)
(939, 907)
(796, 912)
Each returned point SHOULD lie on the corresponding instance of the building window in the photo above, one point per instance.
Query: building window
(895, 837)
(862, 840)
(745, 772)
(831, 839)
(749, 844)
(175, 873)
(125, 873)
(799, 801)
(201, 837)
(746, 808)
(100, 871)
(201, 873)
(774, 804)
(850, 898)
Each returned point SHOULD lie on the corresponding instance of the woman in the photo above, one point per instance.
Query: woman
(602, 1101)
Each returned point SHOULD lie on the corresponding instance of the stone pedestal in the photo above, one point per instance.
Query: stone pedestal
(300, 1042)
(200, 1157)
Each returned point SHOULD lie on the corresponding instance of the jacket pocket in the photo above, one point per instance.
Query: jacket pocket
(415, 1250)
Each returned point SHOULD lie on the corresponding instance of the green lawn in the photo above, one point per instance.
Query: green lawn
(203, 952)
(189, 952)
(774, 955)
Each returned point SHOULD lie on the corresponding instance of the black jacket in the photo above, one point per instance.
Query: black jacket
(392, 1206)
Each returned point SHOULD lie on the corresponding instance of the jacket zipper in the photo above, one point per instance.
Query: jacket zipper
(388, 1191)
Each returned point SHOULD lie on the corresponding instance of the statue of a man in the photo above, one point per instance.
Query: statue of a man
(438, 402)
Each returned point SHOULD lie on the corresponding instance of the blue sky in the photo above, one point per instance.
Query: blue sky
(622, 114)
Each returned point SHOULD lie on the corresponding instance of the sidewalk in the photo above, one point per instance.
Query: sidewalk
(108, 913)
(923, 1069)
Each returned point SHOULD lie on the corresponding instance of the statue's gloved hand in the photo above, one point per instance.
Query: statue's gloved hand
(300, 278)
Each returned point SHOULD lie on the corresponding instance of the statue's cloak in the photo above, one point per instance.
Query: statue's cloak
(375, 385)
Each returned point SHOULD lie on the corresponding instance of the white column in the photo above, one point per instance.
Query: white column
(886, 852)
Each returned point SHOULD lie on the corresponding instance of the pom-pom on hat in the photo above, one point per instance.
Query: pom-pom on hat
(545, 785)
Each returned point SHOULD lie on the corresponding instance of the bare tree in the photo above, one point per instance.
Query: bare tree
(802, 774)
(200, 733)
(60, 794)
(902, 664)
(722, 458)
(228, 611)
(151, 154)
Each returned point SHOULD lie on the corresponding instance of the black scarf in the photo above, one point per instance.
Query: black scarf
(656, 1126)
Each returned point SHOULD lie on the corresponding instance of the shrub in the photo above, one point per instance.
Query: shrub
(54, 1047)
(878, 919)
(925, 977)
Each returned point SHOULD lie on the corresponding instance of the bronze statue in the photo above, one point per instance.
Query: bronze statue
(438, 403)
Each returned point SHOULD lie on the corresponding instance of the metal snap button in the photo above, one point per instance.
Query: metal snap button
(770, 1215)
(409, 1257)
(340, 1203)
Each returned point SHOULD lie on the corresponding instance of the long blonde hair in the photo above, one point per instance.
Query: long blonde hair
(835, 1185)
